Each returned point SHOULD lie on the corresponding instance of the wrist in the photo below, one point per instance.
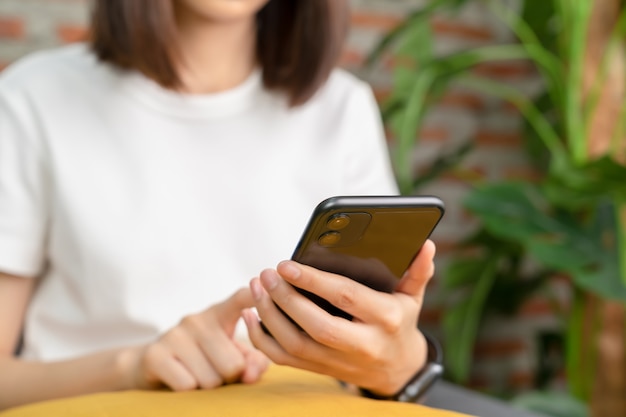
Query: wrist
(422, 380)
(127, 368)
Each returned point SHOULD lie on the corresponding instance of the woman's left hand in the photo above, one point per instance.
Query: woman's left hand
(380, 349)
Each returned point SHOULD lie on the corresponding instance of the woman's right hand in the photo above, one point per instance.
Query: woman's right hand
(200, 352)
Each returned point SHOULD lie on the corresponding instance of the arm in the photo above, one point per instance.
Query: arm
(182, 358)
(23, 382)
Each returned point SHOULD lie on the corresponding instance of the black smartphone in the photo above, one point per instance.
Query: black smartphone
(371, 239)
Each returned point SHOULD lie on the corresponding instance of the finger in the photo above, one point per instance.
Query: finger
(356, 299)
(163, 366)
(221, 351)
(229, 311)
(340, 369)
(288, 345)
(331, 331)
(416, 278)
(270, 346)
(186, 349)
(256, 363)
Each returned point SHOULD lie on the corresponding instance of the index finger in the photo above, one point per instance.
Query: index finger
(229, 310)
(354, 298)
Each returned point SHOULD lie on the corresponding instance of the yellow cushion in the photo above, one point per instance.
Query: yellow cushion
(282, 392)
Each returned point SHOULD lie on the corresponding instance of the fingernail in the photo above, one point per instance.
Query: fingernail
(248, 315)
(257, 291)
(269, 278)
(289, 270)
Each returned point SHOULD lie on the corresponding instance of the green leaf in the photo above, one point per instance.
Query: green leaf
(462, 321)
(576, 246)
(417, 45)
(462, 272)
(600, 176)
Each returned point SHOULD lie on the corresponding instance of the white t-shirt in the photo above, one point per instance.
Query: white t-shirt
(138, 206)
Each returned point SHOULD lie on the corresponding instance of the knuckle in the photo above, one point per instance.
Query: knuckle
(392, 319)
(297, 348)
(328, 335)
(191, 322)
(291, 298)
(210, 382)
(233, 369)
(183, 384)
(174, 336)
(372, 352)
(346, 296)
(242, 295)
(281, 359)
(153, 354)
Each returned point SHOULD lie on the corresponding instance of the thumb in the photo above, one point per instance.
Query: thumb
(415, 279)
(228, 311)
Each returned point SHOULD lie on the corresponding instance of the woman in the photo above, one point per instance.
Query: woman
(145, 177)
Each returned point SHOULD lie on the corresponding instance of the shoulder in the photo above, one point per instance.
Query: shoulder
(344, 97)
(48, 69)
(343, 86)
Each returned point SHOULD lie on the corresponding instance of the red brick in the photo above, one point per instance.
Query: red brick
(499, 348)
(536, 307)
(511, 139)
(381, 94)
(463, 100)
(435, 134)
(351, 58)
(3, 65)
(478, 383)
(391, 62)
(71, 34)
(12, 28)
(521, 380)
(510, 108)
(461, 30)
(383, 22)
(527, 174)
(505, 69)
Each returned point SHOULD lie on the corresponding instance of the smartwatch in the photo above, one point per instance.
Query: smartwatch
(422, 380)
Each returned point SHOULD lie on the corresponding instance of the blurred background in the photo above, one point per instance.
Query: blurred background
(514, 114)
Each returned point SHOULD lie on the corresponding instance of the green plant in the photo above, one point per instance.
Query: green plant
(573, 220)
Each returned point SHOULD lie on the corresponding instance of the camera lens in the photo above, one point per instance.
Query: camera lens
(329, 239)
(338, 222)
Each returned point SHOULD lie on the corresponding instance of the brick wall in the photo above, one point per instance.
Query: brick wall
(506, 353)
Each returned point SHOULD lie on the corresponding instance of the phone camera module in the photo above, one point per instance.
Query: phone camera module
(338, 222)
(329, 239)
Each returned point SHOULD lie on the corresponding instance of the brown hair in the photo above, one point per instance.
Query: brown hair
(298, 43)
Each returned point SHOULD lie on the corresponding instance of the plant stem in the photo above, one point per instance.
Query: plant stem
(574, 52)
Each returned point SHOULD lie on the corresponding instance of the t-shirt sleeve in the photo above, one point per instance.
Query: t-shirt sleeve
(23, 188)
(368, 166)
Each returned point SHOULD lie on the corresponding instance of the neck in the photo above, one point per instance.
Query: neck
(215, 56)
